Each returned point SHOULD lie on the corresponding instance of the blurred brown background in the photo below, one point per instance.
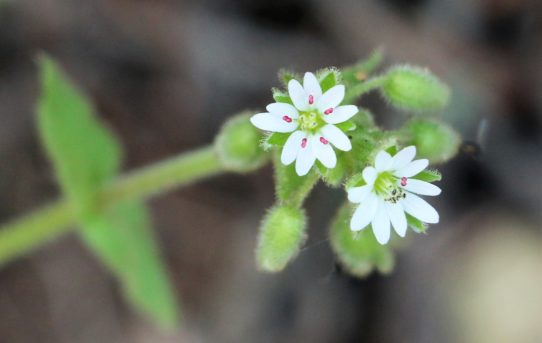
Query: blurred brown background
(165, 74)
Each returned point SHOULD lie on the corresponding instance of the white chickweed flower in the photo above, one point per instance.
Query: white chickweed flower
(311, 121)
(389, 192)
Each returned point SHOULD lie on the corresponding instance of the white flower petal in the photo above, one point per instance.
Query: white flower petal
(397, 218)
(305, 159)
(336, 137)
(331, 99)
(324, 152)
(419, 208)
(291, 147)
(420, 187)
(358, 194)
(381, 224)
(298, 95)
(404, 157)
(281, 109)
(365, 213)
(369, 175)
(411, 169)
(269, 122)
(383, 161)
(312, 86)
(341, 114)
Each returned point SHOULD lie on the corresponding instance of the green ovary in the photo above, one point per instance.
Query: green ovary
(310, 121)
(386, 187)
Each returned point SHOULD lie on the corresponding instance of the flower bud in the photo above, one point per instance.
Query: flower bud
(238, 145)
(433, 139)
(282, 233)
(358, 252)
(414, 89)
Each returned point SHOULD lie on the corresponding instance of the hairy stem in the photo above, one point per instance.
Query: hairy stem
(364, 87)
(26, 233)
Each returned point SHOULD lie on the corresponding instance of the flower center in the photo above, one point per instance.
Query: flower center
(310, 121)
(386, 187)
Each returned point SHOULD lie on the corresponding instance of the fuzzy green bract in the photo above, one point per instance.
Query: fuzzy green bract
(87, 156)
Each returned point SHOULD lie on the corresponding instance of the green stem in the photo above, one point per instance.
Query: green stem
(26, 233)
(364, 87)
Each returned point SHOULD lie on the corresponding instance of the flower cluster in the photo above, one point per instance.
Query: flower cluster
(388, 195)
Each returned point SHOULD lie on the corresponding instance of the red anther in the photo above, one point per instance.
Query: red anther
(287, 119)
(304, 143)
(311, 100)
(403, 181)
(328, 111)
(323, 140)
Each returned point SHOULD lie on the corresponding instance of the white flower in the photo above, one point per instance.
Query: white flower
(311, 120)
(389, 193)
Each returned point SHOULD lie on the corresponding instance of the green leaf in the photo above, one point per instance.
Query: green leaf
(292, 189)
(86, 156)
(281, 96)
(123, 239)
(358, 252)
(428, 175)
(416, 224)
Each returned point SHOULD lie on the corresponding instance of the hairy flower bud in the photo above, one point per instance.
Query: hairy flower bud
(238, 145)
(435, 140)
(282, 233)
(414, 89)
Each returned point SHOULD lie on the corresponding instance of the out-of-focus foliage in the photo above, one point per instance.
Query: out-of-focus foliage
(86, 156)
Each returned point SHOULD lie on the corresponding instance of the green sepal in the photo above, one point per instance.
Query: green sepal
(428, 175)
(280, 96)
(282, 233)
(286, 75)
(346, 126)
(416, 224)
(358, 252)
(329, 78)
(277, 139)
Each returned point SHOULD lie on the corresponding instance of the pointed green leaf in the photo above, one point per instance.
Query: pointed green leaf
(123, 239)
(86, 156)
(281, 96)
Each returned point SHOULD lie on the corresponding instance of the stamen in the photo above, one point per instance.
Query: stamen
(403, 181)
(323, 140)
(311, 100)
(287, 119)
(304, 143)
(328, 111)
